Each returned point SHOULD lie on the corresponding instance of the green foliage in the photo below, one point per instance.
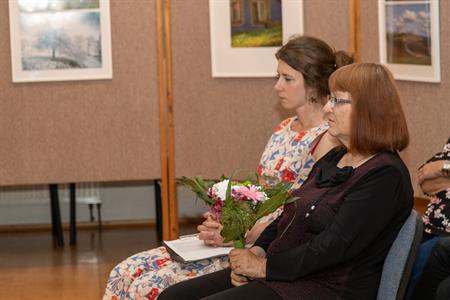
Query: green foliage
(199, 186)
(260, 38)
(228, 199)
(278, 195)
(239, 216)
(236, 219)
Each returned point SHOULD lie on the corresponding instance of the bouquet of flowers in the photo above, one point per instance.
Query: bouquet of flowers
(238, 205)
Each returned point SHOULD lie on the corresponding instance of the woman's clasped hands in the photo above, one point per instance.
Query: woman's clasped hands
(209, 231)
(247, 264)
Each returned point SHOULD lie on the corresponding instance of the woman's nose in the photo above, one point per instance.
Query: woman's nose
(327, 107)
(278, 86)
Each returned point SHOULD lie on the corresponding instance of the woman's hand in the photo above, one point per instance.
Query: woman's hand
(430, 170)
(209, 230)
(247, 263)
(238, 280)
(435, 185)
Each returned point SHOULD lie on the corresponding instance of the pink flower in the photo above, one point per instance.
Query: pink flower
(216, 209)
(251, 193)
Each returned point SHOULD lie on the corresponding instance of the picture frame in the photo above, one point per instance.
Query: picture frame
(59, 40)
(409, 39)
(254, 61)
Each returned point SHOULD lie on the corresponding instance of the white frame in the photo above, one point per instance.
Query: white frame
(19, 75)
(253, 61)
(412, 72)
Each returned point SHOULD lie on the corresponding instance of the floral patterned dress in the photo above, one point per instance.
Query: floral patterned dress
(287, 157)
(437, 216)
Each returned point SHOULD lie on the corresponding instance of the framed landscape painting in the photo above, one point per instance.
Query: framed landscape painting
(409, 38)
(54, 40)
(245, 34)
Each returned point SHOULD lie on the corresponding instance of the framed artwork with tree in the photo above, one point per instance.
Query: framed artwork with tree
(56, 40)
(245, 34)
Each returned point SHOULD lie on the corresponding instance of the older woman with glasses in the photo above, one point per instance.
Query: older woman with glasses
(331, 243)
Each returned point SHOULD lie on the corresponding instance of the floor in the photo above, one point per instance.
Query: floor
(32, 268)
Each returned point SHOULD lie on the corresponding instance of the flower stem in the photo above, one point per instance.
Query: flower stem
(239, 244)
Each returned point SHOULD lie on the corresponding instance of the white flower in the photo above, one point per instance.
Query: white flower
(220, 189)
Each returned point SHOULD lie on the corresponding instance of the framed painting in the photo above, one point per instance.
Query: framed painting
(54, 40)
(245, 34)
(409, 38)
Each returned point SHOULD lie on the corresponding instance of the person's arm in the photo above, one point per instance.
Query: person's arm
(432, 170)
(255, 232)
(268, 235)
(366, 212)
(435, 185)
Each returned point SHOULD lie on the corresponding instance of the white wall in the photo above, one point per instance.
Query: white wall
(120, 201)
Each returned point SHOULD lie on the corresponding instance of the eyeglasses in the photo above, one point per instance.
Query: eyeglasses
(336, 101)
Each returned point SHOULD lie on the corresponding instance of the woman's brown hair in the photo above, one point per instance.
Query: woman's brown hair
(315, 60)
(377, 120)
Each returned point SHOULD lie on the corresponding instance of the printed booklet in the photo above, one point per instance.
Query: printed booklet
(189, 248)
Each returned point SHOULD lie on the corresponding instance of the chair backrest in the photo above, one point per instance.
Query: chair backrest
(400, 259)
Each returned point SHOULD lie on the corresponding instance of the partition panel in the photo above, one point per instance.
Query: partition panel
(222, 124)
(96, 130)
(426, 105)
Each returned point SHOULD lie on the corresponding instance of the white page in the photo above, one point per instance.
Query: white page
(190, 248)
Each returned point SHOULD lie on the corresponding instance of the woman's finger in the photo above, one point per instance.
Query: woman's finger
(238, 280)
(235, 253)
(206, 235)
(209, 216)
(211, 224)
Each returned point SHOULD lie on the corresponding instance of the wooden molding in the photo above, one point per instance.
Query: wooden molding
(173, 205)
(162, 121)
(354, 26)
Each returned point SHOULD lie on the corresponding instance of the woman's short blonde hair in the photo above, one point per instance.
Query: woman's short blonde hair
(377, 119)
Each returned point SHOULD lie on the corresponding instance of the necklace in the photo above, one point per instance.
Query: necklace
(358, 163)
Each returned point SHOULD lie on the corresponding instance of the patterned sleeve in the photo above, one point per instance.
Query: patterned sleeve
(446, 148)
(444, 155)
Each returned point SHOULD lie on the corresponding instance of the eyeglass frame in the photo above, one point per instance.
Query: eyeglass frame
(336, 101)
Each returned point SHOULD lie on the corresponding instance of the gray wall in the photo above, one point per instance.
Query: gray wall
(120, 202)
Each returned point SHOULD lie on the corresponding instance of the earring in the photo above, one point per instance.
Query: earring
(313, 99)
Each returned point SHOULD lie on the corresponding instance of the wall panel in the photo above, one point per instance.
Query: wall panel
(101, 130)
(426, 105)
(222, 124)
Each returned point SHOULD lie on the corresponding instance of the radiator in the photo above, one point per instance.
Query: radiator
(38, 194)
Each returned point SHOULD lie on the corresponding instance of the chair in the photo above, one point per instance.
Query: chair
(400, 260)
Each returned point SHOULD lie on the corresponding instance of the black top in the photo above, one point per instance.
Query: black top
(332, 242)
(437, 215)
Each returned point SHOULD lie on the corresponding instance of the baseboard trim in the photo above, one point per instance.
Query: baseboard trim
(94, 225)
